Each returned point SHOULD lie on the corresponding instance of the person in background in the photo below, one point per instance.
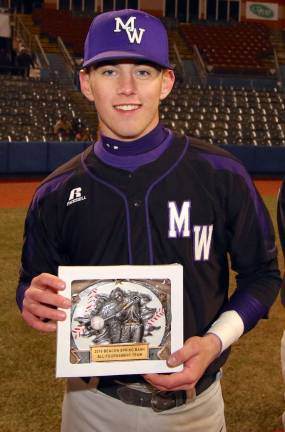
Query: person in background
(63, 128)
(5, 62)
(24, 62)
(83, 134)
(281, 229)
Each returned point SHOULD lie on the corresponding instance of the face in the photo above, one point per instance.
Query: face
(126, 96)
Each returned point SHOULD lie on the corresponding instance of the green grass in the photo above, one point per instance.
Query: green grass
(30, 396)
(253, 387)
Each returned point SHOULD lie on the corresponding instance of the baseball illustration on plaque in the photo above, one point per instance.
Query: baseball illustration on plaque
(121, 325)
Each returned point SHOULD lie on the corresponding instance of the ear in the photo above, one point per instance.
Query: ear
(85, 85)
(168, 80)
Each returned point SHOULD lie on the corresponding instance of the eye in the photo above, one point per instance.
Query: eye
(146, 72)
(108, 72)
(143, 73)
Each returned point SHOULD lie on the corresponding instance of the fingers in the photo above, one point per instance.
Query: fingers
(37, 324)
(47, 280)
(45, 296)
(41, 302)
(196, 355)
(189, 349)
(176, 381)
(180, 379)
(45, 312)
(208, 347)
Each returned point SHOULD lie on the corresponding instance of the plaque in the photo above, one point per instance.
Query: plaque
(123, 320)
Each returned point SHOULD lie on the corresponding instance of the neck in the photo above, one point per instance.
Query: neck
(141, 145)
(131, 155)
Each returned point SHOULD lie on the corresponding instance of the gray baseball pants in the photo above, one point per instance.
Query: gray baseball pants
(85, 409)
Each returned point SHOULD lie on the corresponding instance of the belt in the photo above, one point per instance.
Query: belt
(149, 396)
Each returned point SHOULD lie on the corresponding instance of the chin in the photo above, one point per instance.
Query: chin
(130, 135)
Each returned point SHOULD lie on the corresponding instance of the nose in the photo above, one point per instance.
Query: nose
(126, 85)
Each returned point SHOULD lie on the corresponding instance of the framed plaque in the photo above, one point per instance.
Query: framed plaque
(123, 320)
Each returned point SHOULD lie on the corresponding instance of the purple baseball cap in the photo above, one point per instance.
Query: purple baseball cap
(126, 34)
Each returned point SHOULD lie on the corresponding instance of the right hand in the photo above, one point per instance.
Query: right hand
(196, 355)
(41, 301)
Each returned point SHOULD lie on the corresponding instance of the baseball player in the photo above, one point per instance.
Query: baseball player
(281, 225)
(281, 229)
(142, 194)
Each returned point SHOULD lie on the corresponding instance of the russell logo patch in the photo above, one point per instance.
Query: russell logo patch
(75, 196)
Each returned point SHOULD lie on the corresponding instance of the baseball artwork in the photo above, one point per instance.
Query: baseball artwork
(121, 322)
(125, 319)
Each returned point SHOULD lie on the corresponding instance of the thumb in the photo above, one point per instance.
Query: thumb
(189, 349)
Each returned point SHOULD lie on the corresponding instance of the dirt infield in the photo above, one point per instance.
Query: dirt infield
(18, 193)
(268, 187)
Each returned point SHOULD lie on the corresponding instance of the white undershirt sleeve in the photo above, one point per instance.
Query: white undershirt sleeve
(228, 327)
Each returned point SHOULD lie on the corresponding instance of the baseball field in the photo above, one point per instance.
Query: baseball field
(30, 396)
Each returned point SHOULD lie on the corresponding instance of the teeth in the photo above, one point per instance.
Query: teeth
(127, 107)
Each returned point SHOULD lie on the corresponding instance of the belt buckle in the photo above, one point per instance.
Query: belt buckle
(165, 400)
(159, 402)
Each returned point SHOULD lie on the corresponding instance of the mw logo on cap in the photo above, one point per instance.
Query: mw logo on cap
(134, 35)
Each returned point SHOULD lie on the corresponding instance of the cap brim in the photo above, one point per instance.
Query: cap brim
(120, 55)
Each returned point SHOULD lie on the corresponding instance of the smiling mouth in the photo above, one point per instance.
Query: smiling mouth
(127, 107)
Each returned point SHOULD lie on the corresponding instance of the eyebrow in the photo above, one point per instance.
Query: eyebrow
(118, 62)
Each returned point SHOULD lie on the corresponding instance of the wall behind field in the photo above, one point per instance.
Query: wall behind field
(40, 158)
(36, 157)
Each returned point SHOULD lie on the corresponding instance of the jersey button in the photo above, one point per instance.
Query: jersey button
(137, 203)
(130, 175)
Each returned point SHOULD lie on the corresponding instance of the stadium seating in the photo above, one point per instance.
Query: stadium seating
(240, 48)
(71, 28)
(227, 116)
(29, 108)
(222, 115)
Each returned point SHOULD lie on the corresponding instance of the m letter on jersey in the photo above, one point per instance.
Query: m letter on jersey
(133, 35)
(202, 242)
(179, 223)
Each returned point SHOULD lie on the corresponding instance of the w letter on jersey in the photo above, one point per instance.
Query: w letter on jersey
(179, 222)
(202, 242)
(134, 35)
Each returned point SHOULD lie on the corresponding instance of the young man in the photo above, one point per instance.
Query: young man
(281, 218)
(281, 229)
(144, 195)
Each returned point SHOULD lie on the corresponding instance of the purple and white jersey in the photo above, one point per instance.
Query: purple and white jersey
(194, 204)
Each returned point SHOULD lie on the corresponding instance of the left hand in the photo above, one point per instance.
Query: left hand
(196, 355)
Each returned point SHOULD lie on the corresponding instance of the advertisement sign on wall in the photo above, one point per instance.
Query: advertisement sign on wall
(262, 11)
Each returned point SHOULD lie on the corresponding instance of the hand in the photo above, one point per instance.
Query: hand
(41, 301)
(196, 355)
